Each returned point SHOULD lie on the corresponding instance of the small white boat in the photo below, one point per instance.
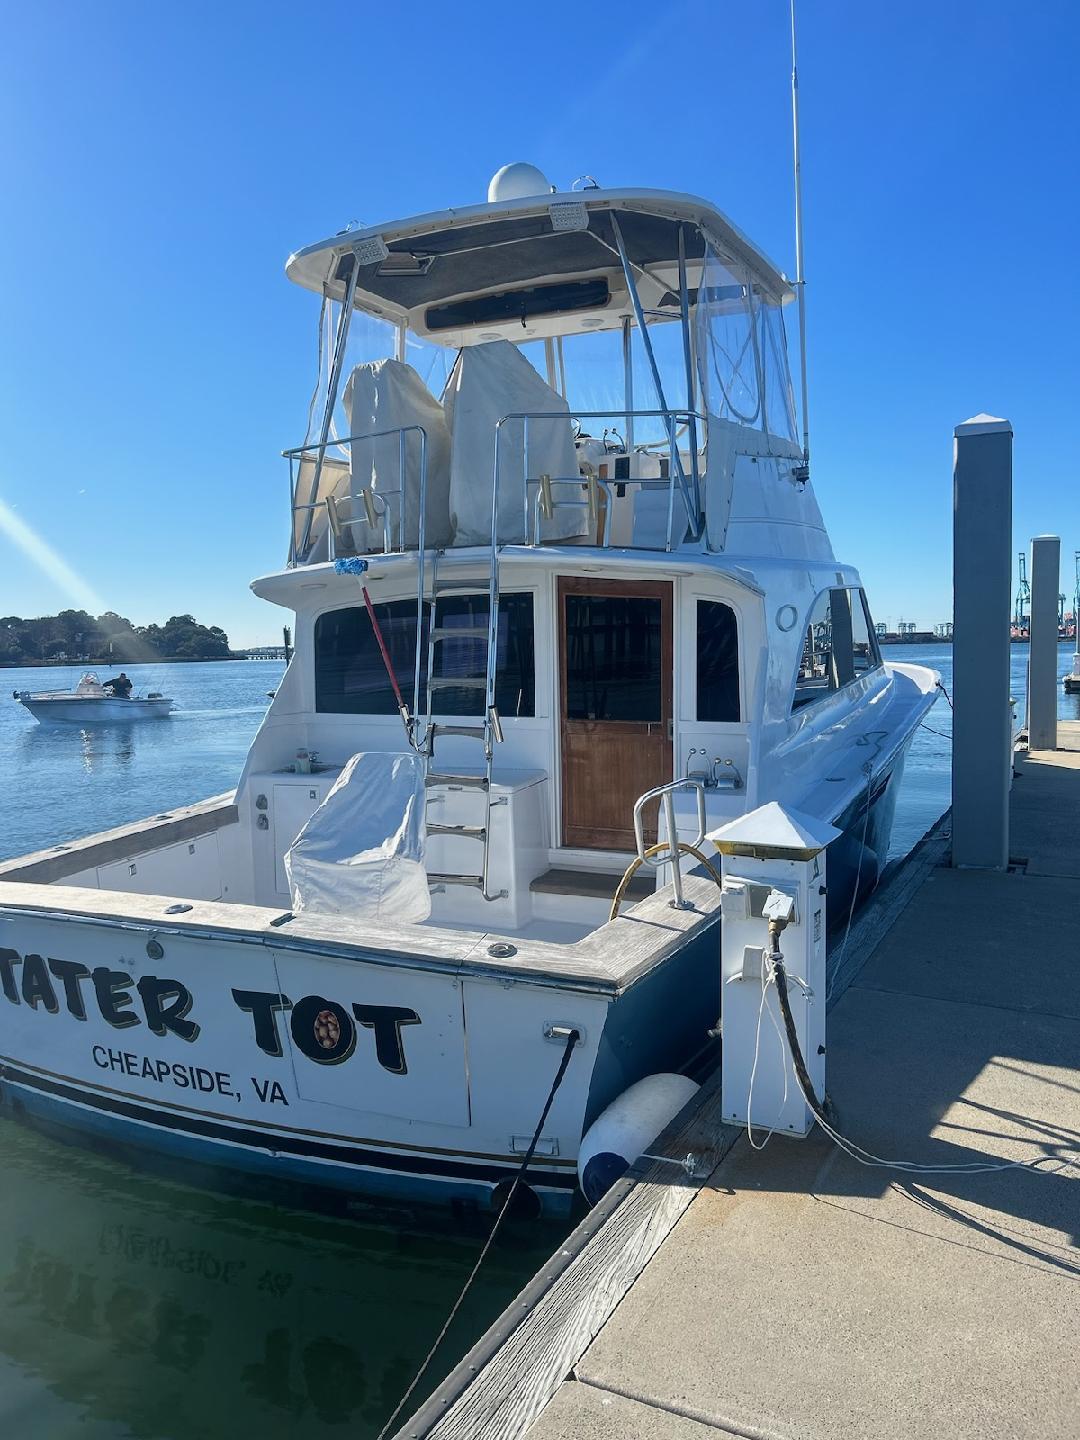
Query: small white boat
(90, 701)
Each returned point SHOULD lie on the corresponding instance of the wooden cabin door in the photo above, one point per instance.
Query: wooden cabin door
(615, 660)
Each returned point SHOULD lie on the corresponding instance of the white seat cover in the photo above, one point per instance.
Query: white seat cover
(387, 395)
(488, 382)
(362, 851)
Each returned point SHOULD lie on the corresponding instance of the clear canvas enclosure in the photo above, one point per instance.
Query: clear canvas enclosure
(742, 351)
(610, 357)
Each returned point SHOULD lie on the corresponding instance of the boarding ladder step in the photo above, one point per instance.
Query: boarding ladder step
(467, 832)
(464, 782)
(471, 732)
(485, 732)
(456, 682)
(450, 632)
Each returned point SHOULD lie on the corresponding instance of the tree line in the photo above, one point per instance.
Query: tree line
(75, 635)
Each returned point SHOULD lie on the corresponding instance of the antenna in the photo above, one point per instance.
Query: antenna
(800, 278)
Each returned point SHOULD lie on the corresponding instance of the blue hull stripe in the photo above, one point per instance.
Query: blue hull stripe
(281, 1144)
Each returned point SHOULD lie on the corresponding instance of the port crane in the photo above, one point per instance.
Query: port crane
(1023, 597)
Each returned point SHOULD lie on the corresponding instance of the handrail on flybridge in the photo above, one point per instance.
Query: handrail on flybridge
(385, 509)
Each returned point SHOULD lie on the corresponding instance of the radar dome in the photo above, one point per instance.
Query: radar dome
(518, 181)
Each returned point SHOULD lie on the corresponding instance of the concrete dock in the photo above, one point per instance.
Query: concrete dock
(795, 1294)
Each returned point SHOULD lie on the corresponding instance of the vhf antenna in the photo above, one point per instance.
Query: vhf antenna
(800, 278)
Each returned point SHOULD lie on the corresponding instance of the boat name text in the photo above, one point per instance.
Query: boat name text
(321, 1029)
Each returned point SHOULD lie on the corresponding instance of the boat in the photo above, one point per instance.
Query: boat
(556, 618)
(90, 702)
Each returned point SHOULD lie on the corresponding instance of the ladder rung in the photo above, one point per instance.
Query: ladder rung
(471, 732)
(477, 587)
(457, 682)
(467, 832)
(448, 632)
(435, 878)
(476, 782)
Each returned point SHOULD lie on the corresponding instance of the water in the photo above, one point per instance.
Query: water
(135, 1306)
(926, 792)
(132, 1305)
(90, 779)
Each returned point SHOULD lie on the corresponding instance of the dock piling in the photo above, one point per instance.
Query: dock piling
(982, 584)
(1043, 649)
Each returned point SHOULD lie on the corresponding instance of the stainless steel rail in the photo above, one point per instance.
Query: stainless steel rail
(676, 480)
(671, 856)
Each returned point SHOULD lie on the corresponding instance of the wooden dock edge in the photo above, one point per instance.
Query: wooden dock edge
(506, 1380)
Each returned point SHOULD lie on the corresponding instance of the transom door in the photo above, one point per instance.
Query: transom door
(616, 712)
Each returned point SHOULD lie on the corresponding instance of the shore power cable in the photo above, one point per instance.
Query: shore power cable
(775, 973)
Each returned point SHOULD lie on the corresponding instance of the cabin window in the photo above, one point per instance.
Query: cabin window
(864, 636)
(838, 645)
(614, 657)
(351, 679)
(717, 662)
(561, 298)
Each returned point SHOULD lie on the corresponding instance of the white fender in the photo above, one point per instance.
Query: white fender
(628, 1126)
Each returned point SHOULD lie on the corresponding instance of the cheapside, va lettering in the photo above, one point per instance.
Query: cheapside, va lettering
(323, 1030)
(184, 1077)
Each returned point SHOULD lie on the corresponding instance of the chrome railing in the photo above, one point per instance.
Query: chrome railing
(379, 513)
(670, 854)
(536, 488)
(386, 512)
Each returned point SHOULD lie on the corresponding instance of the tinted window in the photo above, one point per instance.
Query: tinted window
(515, 674)
(864, 635)
(614, 657)
(812, 680)
(557, 299)
(838, 645)
(717, 662)
(351, 679)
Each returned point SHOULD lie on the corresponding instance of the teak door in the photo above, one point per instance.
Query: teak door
(615, 699)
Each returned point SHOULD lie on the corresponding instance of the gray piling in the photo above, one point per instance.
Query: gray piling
(1043, 649)
(982, 582)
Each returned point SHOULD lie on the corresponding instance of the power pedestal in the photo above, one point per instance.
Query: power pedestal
(773, 867)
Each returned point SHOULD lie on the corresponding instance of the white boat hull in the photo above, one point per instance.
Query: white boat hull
(405, 1078)
(90, 711)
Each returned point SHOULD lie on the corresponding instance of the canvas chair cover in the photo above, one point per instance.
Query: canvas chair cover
(488, 382)
(361, 852)
(387, 395)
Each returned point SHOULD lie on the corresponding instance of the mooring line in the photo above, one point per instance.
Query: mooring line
(571, 1040)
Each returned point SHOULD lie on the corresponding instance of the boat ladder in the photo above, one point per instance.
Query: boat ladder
(486, 732)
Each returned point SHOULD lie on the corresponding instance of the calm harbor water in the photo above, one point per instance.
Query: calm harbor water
(137, 1306)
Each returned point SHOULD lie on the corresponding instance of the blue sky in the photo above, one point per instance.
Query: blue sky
(160, 161)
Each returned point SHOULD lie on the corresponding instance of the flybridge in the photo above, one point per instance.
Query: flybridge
(649, 302)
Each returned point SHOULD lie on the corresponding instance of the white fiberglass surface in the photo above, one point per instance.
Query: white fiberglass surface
(552, 932)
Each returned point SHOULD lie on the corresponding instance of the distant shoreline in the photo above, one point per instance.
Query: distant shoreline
(107, 664)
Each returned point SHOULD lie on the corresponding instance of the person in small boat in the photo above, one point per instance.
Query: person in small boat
(120, 686)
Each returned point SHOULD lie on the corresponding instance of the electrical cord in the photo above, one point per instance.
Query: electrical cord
(1041, 1165)
(571, 1040)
